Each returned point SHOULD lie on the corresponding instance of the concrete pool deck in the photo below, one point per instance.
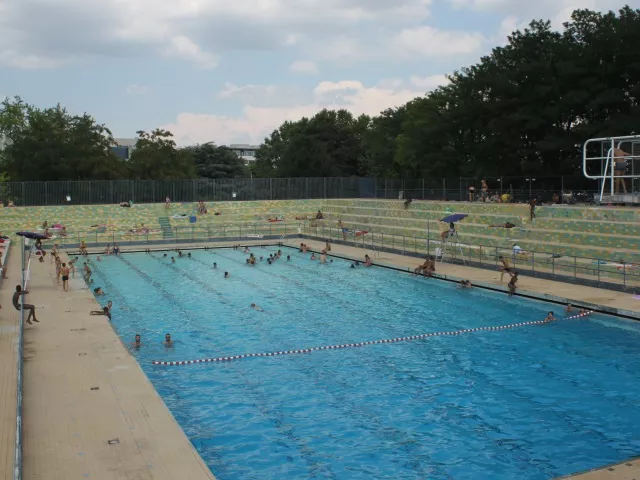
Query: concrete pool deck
(67, 425)
(82, 389)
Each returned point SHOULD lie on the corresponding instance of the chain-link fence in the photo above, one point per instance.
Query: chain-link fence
(153, 191)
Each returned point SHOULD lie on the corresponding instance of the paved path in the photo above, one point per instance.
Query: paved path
(9, 321)
(82, 388)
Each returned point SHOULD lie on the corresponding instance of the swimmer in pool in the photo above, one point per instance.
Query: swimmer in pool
(550, 317)
(98, 291)
(257, 308)
(226, 274)
(189, 255)
(173, 260)
(465, 284)
(167, 340)
(288, 258)
(137, 343)
(569, 308)
(313, 256)
(215, 265)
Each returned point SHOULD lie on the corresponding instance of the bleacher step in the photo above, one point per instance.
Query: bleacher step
(165, 225)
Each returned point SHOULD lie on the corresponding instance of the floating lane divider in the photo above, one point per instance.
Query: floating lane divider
(361, 344)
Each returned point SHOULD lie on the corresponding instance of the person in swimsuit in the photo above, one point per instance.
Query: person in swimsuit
(98, 291)
(137, 343)
(167, 340)
(513, 284)
(504, 268)
(257, 308)
(27, 306)
(65, 277)
(620, 168)
(226, 274)
(550, 317)
(105, 311)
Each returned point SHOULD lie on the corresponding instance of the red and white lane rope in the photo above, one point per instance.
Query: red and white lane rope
(360, 344)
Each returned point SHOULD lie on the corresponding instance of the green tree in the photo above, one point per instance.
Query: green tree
(51, 144)
(156, 157)
(212, 161)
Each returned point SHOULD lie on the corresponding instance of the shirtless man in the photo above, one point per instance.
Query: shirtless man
(620, 168)
(422, 268)
(64, 271)
(16, 303)
(504, 268)
(257, 308)
(167, 340)
(137, 343)
(513, 284)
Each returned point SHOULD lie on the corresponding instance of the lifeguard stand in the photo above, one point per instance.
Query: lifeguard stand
(598, 164)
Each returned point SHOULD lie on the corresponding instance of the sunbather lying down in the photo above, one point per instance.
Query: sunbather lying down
(505, 225)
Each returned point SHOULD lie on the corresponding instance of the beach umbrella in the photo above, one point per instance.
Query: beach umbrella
(456, 217)
(33, 235)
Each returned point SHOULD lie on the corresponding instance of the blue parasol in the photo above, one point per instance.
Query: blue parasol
(32, 235)
(456, 217)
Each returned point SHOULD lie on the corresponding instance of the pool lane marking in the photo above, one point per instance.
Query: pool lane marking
(360, 344)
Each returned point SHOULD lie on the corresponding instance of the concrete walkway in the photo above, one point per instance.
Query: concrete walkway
(82, 389)
(9, 322)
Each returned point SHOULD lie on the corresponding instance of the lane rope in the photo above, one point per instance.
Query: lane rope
(360, 344)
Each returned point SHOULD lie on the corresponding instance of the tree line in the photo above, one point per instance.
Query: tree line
(51, 144)
(524, 109)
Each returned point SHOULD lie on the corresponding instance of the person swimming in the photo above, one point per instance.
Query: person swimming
(167, 340)
(257, 308)
(226, 274)
(215, 265)
(550, 317)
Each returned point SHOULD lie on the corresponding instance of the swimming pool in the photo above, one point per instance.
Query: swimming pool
(529, 403)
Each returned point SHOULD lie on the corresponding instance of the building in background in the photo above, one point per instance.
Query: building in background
(123, 147)
(245, 152)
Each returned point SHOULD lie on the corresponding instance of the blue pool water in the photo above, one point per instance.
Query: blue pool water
(528, 403)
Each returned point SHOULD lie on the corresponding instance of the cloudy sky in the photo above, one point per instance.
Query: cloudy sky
(232, 71)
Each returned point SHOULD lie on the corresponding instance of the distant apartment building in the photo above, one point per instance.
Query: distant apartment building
(123, 147)
(245, 152)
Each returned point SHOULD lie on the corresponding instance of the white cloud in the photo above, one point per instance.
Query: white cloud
(429, 83)
(521, 12)
(195, 30)
(304, 66)
(246, 92)
(185, 49)
(136, 89)
(431, 42)
(256, 122)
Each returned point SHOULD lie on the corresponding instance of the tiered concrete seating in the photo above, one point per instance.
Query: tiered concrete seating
(241, 218)
(611, 235)
(112, 223)
(606, 240)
